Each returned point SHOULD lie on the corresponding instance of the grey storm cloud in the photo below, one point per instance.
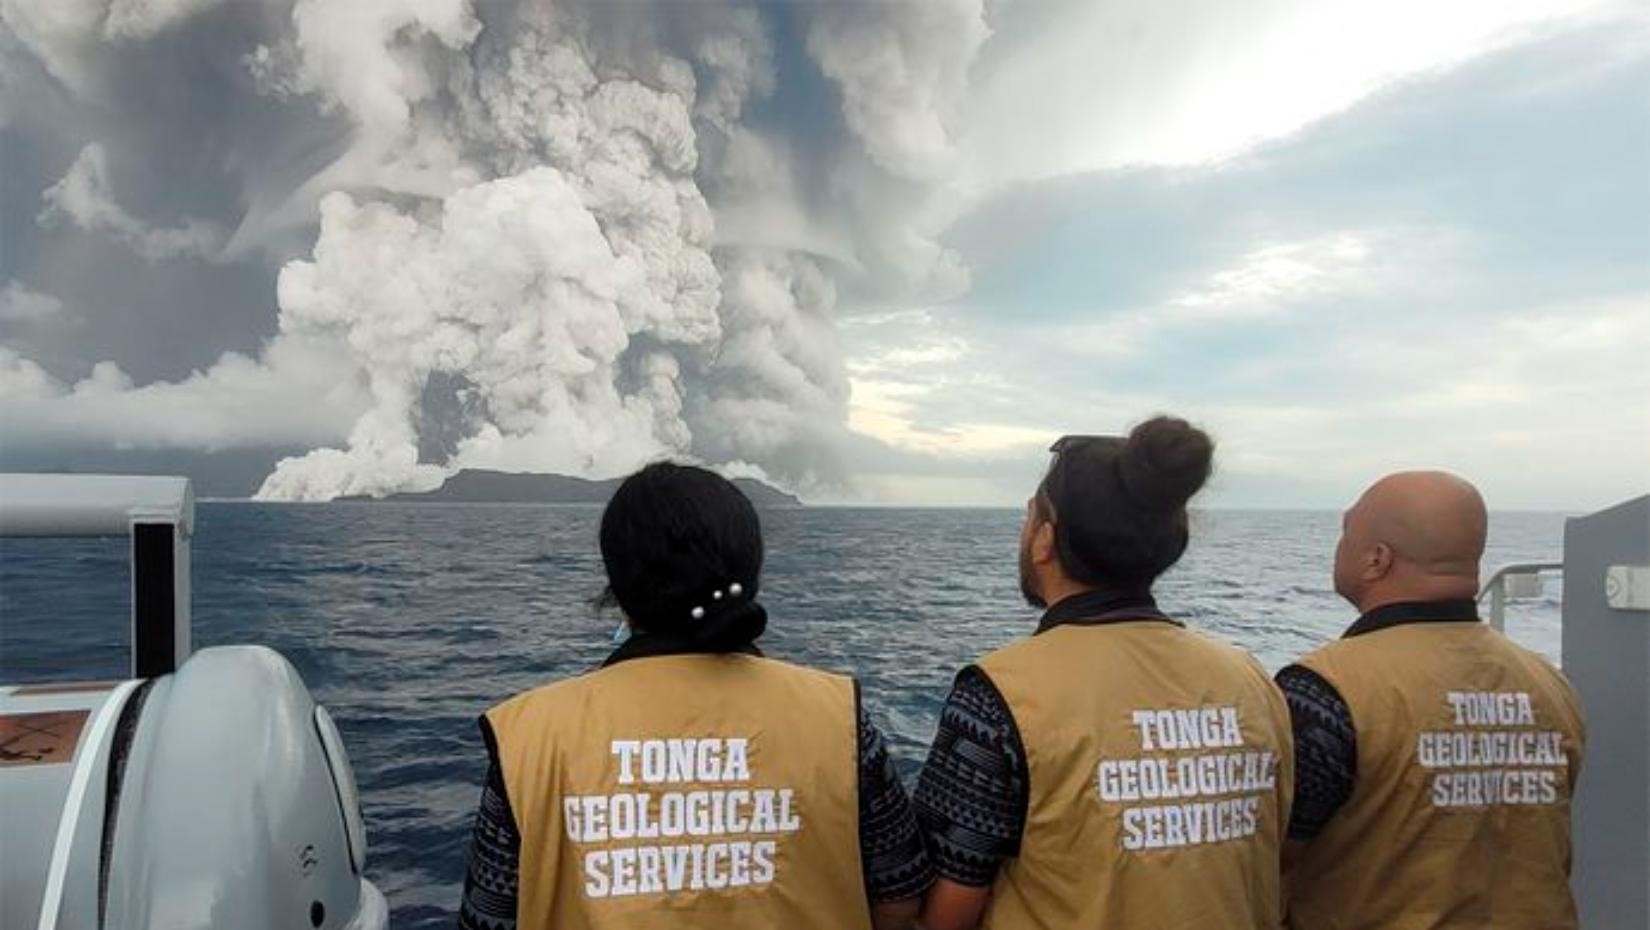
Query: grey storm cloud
(417, 235)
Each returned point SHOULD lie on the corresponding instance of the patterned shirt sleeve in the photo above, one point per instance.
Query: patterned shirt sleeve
(1326, 750)
(971, 795)
(890, 843)
(495, 853)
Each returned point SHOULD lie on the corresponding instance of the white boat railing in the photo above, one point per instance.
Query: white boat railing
(1511, 582)
(156, 513)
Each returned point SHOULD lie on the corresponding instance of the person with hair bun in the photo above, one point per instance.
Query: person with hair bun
(1113, 769)
(690, 782)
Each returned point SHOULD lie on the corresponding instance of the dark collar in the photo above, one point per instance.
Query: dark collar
(651, 645)
(1390, 615)
(1102, 606)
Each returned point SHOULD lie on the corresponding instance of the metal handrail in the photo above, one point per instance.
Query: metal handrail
(157, 515)
(1496, 586)
(92, 505)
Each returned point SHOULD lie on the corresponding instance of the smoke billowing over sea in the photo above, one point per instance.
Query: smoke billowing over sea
(562, 236)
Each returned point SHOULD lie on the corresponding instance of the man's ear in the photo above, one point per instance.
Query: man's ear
(1042, 543)
(1379, 562)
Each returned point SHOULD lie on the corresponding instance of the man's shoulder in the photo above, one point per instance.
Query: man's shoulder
(1013, 649)
(1530, 656)
(1383, 644)
(1222, 652)
(1542, 669)
(1385, 659)
(1329, 652)
(1063, 640)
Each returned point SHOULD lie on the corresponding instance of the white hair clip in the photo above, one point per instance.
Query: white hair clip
(734, 590)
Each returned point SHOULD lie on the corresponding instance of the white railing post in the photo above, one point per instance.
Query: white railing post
(157, 514)
(1496, 587)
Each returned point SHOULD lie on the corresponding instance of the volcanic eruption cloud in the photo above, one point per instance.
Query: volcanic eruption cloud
(547, 236)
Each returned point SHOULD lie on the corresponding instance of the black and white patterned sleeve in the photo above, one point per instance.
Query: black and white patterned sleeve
(971, 795)
(490, 886)
(891, 847)
(1326, 749)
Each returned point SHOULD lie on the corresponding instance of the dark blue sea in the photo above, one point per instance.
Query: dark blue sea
(408, 621)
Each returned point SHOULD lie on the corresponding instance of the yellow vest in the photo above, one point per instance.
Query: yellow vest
(1160, 771)
(1468, 747)
(686, 791)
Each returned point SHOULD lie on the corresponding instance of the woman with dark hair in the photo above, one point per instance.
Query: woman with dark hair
(689, 781)
(1114, 769)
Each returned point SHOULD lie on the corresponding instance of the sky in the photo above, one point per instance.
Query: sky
(876, 252)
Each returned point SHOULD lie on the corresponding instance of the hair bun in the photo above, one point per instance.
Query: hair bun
(729, 627)
(1164, 462)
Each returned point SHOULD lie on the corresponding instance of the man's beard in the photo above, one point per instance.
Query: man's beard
(1026, 590)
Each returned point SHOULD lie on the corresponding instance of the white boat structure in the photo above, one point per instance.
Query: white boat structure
(208, 790)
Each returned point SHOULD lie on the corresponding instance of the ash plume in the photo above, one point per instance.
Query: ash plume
(583, 224)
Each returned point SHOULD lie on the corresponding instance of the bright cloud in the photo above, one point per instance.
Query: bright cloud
(300, 393)
(1538, 406)
(1194, 81)
(895, 377)
(1261, 287)
(1542, 407)
(18, 304)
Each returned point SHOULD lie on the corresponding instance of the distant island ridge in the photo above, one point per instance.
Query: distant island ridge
(478, 486)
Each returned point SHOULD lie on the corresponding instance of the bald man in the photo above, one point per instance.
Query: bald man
(1435, 758)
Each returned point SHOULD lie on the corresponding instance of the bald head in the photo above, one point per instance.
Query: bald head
(1414, 535)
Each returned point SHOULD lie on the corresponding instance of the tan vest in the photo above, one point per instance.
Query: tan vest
(1468, 751)
(1161, 771)
(686, 791)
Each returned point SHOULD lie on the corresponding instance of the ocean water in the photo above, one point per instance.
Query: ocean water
(408, 621)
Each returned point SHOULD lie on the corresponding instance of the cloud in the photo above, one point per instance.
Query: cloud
(1517, 165)
(297, 394)
(1529, 405)
(60, 34)
(144, 19)
(352, 56)
(901, 68)
(908, 366)
(515, 289)
(775, 393)
(504, 214)
(1453, 273)
(83, 198)
(748, 201)
(1536, 405)
(68, 36)
(18, 304)
(1262, 287)
(1194, 82)
(22, 380)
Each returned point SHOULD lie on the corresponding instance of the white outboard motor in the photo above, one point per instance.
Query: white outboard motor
(207, 791)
